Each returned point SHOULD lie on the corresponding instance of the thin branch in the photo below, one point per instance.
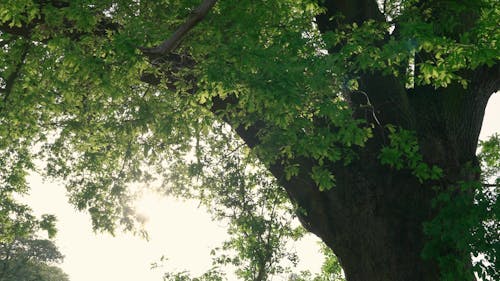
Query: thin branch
(171, 43)
(491, 184)
(11, 79)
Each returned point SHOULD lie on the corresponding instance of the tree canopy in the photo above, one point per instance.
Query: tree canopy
(367, 114)
(30, 260)
(24, 254)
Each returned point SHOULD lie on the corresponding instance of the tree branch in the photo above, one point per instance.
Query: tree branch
(350, 11)
(171, 43)
(23, 31)
(10, 80)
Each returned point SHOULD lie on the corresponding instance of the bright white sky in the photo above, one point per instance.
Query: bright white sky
(179, 230)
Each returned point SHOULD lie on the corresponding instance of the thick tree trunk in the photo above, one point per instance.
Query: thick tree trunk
(373, 218)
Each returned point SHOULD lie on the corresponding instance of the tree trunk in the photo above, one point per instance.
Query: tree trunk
(373, 218)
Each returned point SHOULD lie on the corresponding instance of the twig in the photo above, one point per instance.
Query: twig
(368, 103)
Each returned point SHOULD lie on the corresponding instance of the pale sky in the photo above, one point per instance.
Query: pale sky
(179, 230)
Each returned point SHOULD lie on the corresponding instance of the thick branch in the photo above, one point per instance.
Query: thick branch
(350, 11)
(486, 80)
(23, 31)
(171, 43)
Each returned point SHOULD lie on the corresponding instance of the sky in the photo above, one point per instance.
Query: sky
(178, 230)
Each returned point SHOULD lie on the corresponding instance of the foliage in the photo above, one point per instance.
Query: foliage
(17, 221)
(427, 29)
(210, 275)
(468, 226)
(331, 269)
(24, 256)
(41, 272)
(489, 157)
(403, 153)
(222, 174)
(26, 260)
(245, 197)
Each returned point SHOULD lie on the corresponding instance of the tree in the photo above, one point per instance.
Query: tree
(367, 113)
(259, 217)
(30, 260)
(331, 269)
(24, 256)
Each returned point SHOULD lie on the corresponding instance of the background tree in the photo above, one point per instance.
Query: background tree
(30, 260)
(331, 269)
(260, 219)
(367, 113)
(24, 256)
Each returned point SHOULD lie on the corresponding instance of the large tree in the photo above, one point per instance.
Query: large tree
(366, 112)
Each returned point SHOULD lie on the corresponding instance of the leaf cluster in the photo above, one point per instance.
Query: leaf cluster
(403, 153)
